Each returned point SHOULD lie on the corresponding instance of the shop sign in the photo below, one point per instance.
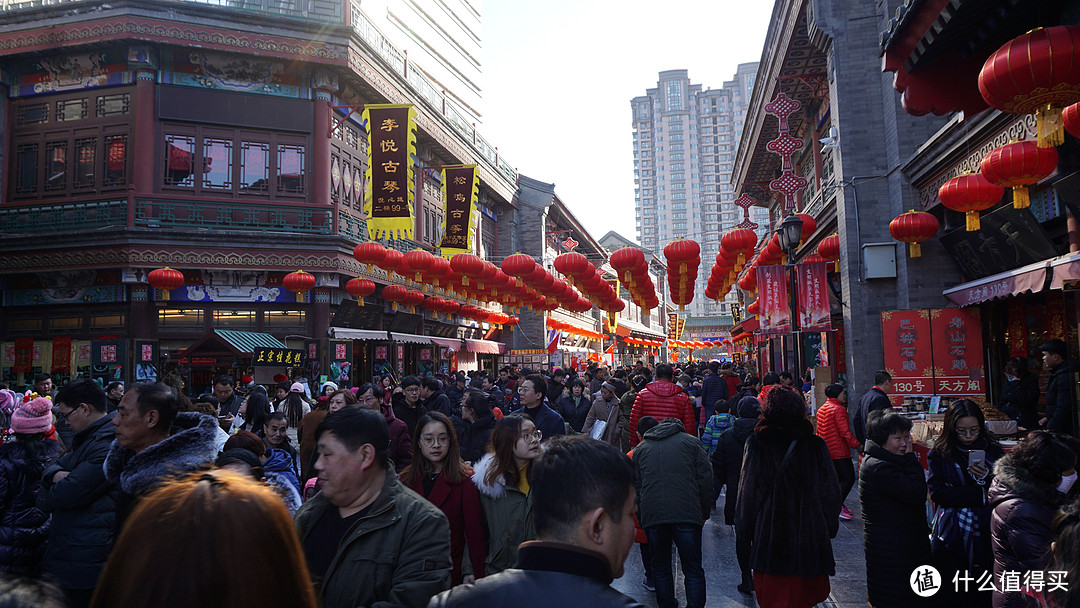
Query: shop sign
(529, 351)
(814, 313)
(460, 188)
(1055, 316)
(958, 353)
(1009, 238)
(342, 350)
(775, 312)
(1016, 332)
(381, 353)
(61, 355)
(266, 356)
(388, 197)
(905, 337)
(425, 354)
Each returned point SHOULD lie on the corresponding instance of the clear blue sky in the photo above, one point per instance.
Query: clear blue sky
(559, 77)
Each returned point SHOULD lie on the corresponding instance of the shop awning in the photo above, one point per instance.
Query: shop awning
(409, 338)
(345, 333)
(227, 342)
(1014, 282)
(748, 326)
(1066, 269)
(452, 343)
(486, 347)
(638, 328)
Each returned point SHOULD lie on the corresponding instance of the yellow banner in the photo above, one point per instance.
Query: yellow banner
(391, 181)
(460, 189)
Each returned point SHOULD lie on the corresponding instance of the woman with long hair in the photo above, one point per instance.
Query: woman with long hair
(502, 477)
(438, 473)
(475, 425)
(958, 483)
(295, 408)
(23, 527)
(252, 413)
(241, 518)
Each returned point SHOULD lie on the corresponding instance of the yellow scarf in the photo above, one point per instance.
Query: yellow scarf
(523, 480)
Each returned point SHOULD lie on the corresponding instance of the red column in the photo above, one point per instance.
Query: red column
(320, 149)
(143, 148)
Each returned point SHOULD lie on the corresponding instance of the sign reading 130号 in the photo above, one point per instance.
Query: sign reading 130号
(276, 356)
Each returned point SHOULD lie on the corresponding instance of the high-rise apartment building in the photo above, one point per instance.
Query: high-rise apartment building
(685, 139)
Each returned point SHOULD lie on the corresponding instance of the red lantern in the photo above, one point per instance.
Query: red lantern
(574, 265)
(467, 265)
(740, 241)
(749, 280)
(625, 259)
(829, 248)
(415, 263)
(912, 228)
(392, 262)
(370, 253)
(394, 294)
(451, 307)
(970, 194)
(359, 288)
(412, 299)
(299, 281)
(1036, 72)
(1018, 164)
(513, 320)
(809, 225)
(753, 308)
(518, 265)
(1071, 117)
(165, 279)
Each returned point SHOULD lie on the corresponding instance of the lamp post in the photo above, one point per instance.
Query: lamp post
(790, 235)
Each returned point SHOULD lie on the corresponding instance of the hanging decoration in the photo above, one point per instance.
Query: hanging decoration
(359, 289)
(633, 271)
(1070, 116)
(1037, 72)
(683, 259)
(1018, 165)
(785, 146)
(165, 279)
(970, 194)
(370, 253)
(829, 248)
(460, 190)
(388, 197)
(299, 282)
(913, 228)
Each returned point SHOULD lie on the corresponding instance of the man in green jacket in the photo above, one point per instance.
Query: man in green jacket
(368, 540)
(674, 490)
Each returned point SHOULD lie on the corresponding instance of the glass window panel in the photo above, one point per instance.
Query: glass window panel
(26, 162)
(32, 114)
(180, 318)
(85, 162)
(116, 147)
(107, 321)
(290, 169)
(25, 323)
(179, 155)
(280, 319)
(254, 166)
(72, 109)
(113, 105)
(217, 163)
(56, 157)
(65, 323)
(235, 319)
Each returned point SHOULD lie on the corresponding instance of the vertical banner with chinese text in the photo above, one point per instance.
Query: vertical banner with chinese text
(24, 352)
(460, 188)
(1016, 330)
(958, 352)
(388, 197)
(61, 355)
(905, 338)
(814, 314)
(775, 310)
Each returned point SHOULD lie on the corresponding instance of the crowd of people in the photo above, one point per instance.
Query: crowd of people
(517, 488)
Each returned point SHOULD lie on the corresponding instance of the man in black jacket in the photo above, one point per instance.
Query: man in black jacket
(75, 491)
(877, 398)
(434, 398)
(583, 498)
(1060, 395)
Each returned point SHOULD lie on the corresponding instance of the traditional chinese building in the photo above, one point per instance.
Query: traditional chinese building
(223, 140)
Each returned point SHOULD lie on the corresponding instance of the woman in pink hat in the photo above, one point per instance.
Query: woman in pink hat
(23, 528)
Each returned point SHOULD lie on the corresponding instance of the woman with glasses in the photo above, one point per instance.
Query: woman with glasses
(438, 474)
(961, 469)
(502, 477)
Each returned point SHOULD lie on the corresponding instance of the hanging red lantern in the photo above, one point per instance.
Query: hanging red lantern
(394, 294)
(1071, 117)
(625, 259)
(392, 262)
(165, 279)
(809, 225)
(299, 281)
(451, 307)
(740, 241)
(829, 248)
(370, 253)
(574, 265)
(439, 271)
(467, 265)
(753, 308)
(1017, 165)
(359, 288)
(513, 320)
(970, 194)
(518, 265)
(749, 280)
(1037, 72)
(415, 263)
(912, 228)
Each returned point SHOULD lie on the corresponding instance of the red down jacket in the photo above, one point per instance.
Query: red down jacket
(662, 399)
(833, 427)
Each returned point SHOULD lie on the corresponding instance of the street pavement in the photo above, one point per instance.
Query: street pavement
(722, 570)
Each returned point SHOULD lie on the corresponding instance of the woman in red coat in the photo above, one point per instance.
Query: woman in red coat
(833, 427)
(438, 474)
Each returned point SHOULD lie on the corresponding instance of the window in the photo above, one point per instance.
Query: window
(234, 319)
(107, 321)
(65, 323)
(180, 319)
(227, 162)
(285, 319)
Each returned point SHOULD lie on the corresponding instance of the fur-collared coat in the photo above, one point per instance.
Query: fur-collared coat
(508, 514)
(191, 446)
(1019, 525)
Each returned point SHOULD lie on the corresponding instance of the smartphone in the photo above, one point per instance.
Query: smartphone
(976, 457)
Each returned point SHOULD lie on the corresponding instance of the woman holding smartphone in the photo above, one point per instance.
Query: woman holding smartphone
(961, 469)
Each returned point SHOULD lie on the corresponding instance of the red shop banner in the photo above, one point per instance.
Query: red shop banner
(814, 314)
(775, 310)
(1016, 332)
(24, 352)
(905, 338)
(958, 351)
(61, 355)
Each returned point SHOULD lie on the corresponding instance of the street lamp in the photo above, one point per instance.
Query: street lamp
(790, 235)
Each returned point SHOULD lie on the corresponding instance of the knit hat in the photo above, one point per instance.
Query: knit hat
(609, 386)
(7, 401)
(749, 407)
(296, 388)
(332, 385)
(34, 416)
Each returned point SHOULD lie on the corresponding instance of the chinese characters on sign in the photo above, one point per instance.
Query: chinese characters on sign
(460, 188)
(61, 355)
(388, 197)
(773, 300)
(814, 314)
(957, 340)
(264, 356)
(905, 336)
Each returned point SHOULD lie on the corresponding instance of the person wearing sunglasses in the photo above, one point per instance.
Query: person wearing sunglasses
(502, 477)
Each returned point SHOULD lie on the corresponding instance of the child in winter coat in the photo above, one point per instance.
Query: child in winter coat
(720, 421)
